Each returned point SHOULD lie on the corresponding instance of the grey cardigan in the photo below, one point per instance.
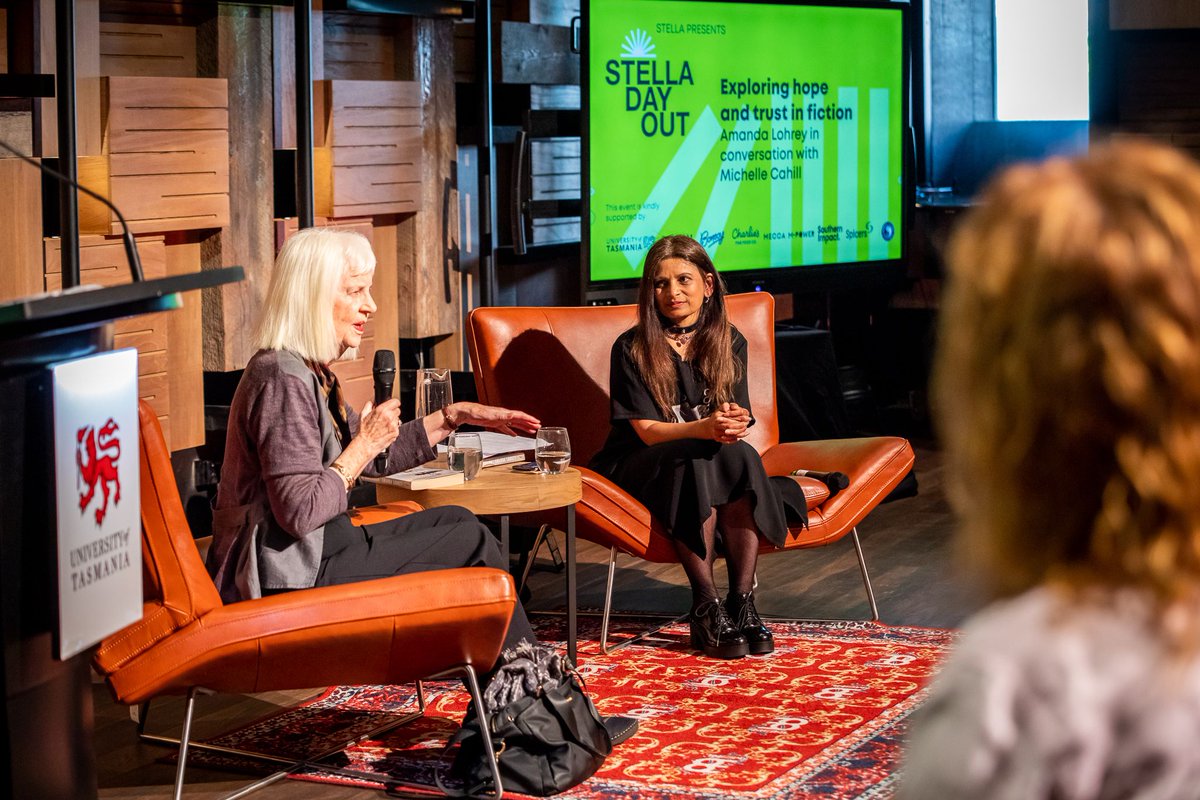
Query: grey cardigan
(277, 491)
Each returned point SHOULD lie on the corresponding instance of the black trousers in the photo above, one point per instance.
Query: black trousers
(438, 538)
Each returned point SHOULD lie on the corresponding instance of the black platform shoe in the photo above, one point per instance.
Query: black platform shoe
(620, 728)
(740, 607)
(714, 633)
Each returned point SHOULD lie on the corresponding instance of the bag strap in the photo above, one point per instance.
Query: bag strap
(466, 791)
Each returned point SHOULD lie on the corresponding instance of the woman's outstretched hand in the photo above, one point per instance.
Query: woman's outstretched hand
(504, 420)
(439, 424)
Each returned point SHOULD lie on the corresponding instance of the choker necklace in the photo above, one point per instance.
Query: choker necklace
(680, 335)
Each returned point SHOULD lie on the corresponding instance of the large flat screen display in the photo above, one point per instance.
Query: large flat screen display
(773, 133)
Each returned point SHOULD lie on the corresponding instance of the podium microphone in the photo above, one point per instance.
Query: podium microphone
(384, 372)
(836, 481)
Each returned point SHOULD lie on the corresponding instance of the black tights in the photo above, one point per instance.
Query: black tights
(740, 538)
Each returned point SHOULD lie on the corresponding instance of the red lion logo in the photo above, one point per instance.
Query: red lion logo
(95, 468)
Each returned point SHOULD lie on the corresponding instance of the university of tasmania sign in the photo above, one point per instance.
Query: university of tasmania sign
(97, 494)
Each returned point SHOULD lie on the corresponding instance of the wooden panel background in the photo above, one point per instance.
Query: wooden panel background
(20, 229)
(371, 141)
(283, 21)
(359, 47)
(102, 262)
(430, 288)
(184, 327)
(131, 49)
(168, 145)
(235, 44)
(87, 77)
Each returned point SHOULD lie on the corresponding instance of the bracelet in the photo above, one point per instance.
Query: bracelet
(345, 474)
(451, 424)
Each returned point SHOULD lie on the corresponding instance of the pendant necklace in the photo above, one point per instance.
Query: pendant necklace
(680, 335)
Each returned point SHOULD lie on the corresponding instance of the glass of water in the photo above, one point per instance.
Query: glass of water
(465, 453)
(553, 450)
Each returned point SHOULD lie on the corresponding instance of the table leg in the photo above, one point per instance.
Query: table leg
(504, 539)
(572, 611)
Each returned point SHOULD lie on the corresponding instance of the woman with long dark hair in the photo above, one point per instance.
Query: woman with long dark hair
(680, 409)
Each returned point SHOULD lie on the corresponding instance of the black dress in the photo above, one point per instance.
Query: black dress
(681, 481)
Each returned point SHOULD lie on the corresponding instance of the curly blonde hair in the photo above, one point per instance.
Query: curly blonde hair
(1068, 373)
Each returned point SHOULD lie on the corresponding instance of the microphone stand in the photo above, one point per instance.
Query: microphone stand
(131, 254)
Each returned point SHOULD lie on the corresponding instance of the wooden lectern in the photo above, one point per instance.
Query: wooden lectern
(46, 718)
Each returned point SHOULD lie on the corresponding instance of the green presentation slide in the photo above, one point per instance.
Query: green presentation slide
(771, 133)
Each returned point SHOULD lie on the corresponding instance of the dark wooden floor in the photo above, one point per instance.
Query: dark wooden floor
(907, 544)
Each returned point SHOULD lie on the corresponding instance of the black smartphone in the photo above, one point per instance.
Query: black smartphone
(526, 466)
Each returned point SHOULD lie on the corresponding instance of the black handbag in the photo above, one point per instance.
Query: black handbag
(546, 732)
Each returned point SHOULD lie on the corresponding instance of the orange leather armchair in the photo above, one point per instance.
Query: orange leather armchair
(554, 363)
(386, 631)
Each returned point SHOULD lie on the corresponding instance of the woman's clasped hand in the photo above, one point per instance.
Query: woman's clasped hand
(728, 423)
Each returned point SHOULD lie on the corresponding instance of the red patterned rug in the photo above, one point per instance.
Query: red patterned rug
(821, 717)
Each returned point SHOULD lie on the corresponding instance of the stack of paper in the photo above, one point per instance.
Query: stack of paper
(500, 448)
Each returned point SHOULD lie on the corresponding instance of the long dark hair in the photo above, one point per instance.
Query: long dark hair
(712, 346)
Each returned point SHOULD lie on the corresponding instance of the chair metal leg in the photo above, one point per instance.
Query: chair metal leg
(608, 591)
(185, 745)
(607, 614)
(184, 736)
(542, 533)
(489, 751)
(862, 566)
(866, 578)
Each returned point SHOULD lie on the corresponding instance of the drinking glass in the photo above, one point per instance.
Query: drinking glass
(433, 391)
(553, 450)
(465, 454)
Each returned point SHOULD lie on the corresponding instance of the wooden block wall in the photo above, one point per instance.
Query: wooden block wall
(369, 148)
(20, 230)
(40, 15)
(430, 287)
(102, 262)
(235, 44)
(167, 141)
(147, 50)
(184, 326)
(359, 47)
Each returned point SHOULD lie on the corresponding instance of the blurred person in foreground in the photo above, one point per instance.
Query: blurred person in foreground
(1068, 379)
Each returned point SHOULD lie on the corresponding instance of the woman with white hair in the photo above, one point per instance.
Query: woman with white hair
(294, 449)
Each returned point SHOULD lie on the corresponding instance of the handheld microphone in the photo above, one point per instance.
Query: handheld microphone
(836, 481)
(384, 372)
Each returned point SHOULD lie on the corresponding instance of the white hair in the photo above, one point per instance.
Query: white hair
(298, 314)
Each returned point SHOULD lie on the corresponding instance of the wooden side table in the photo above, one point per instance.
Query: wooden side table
(501, 492)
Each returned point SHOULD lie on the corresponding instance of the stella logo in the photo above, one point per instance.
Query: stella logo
(96, 455)
(637, 44)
